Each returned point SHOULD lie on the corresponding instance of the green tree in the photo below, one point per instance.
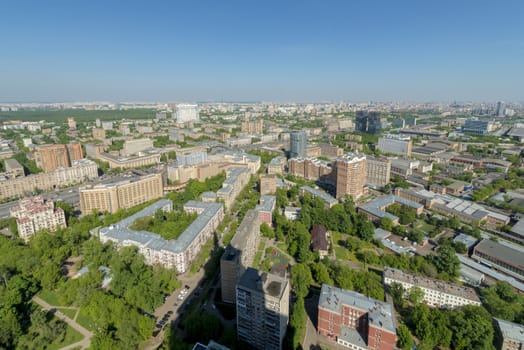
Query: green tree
(386, 223)
(416, 295)
(405, 339)
(301, 279)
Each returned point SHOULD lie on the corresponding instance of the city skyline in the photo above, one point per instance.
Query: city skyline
(237, 51)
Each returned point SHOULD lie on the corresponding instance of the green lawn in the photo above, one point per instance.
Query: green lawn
(85, 320)
(68, 312)
(282, 246)
(71, 337)
(50, 297)
(423, 226)
(341, 253)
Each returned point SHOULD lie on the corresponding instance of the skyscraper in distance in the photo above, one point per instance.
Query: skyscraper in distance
(368, 122)
(298, 144)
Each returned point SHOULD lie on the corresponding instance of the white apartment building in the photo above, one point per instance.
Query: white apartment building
(186, 113)
(35, 214)
(436, 293)
(137, 145)
(177, 253)
(395, 144)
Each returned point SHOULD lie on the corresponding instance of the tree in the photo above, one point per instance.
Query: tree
(472, 328)
(321, 273)
(266, 231)
(397, 293)
(405, 339)
(386, 223)
(416, 295)
(301, 279)
(447, 262)
(365, 228)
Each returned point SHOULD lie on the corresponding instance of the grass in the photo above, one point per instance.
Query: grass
(68, 312)
(258, 255)
(423, 226)
(50, 297)
(282, 246)
(71, 337)
(341, 253)
(85, 320)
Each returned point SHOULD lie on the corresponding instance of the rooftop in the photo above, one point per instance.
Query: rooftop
(320, 194)
(267, 283)
(267, 203)
(430, 283)
(380, 314)
(501, 252)
(375, 207)
(510, 330)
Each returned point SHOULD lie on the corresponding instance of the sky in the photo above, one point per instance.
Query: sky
(261, 50)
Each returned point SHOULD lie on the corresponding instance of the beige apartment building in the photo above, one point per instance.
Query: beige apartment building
(35, 214)
(350, 175)
(378, 171)
(81, 170)
(130, 162)
(51, 157)
(123, 193)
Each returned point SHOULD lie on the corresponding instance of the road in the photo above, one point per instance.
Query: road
(69, 195)
(84, 343)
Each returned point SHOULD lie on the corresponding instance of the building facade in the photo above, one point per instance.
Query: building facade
(51, 157)
(355, 321)
(177, 254)
(120, 194)
(268, 184)
(262, 309)
(130, 162)
(186, 113)
(80, 171)
(252, 126)
(191, 158)
(368, 122)
(135, 146)
(395, 144)
(297, 144)
(437, 293)
(510, 336)
(35, 214)
(351, 176)
(378, 172)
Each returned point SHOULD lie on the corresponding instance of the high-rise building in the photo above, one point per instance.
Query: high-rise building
(297, 144)
(252, 126)
(120, 193)
(34, 214)
(50, 157)
(368, 122)
(395, 144)
(378, 171)
(239, 255)
(186, 113)
(355, 321)
(71, 123)
(477, 126)
(262, 309)
(350, 175)
(501, 107)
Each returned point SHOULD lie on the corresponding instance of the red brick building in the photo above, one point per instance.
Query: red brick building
(355, 321)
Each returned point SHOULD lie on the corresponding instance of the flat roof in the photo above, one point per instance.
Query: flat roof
(431, 283)
(264, 282)
(320, 194)
(510, 330)
(501, 252)
(490, 272)
(380, 314)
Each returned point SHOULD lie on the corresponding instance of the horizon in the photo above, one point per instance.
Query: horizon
(280, 52)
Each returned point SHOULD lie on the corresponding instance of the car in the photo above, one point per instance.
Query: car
(187, 287)
(213, 306)
(170, 312)
(175, 304)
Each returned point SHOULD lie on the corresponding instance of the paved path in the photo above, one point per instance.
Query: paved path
(84, 343)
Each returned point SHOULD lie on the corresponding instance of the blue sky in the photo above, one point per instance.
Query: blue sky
(423, 50)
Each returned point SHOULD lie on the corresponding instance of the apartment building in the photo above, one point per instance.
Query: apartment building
(146, 159)
(80, 171)
(355, 321)
(71, 123)
(252, 126)
(277, 165)
(239, 255)
(510, 336)
(193, 158)
(34, 214)
(177, 253)
(120, 193)
(378, 172)
(51, 157)
(265, 209)
(13, 168)
(132, 147)
(395, 144)
(297, 144)
(329, 201)
(436, 293)
(186, 113)
(268, 184)
(375, 210)
(99, 134)
(262, 309)
(236, 180)
(312, 169)
(350, 175)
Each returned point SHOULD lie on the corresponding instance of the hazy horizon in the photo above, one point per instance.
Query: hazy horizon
(272, 51)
